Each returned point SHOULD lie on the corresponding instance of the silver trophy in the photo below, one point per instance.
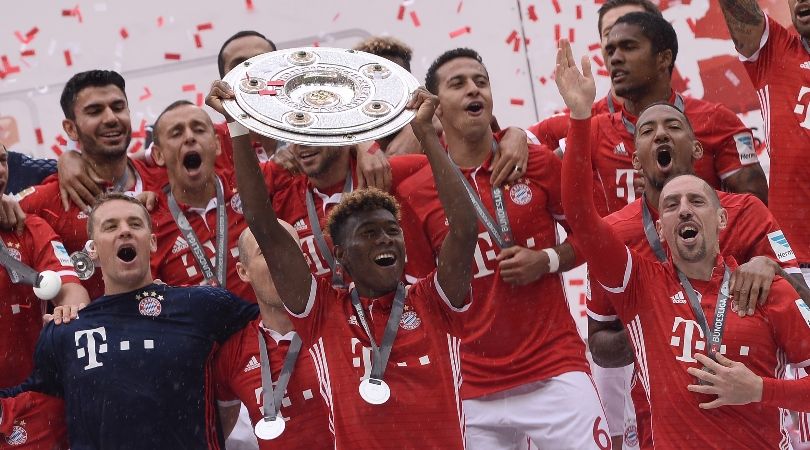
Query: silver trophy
(321, 96)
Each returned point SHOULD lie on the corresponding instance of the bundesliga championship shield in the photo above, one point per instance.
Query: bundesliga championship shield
(321, 96)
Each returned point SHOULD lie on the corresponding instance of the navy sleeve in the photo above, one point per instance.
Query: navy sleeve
(225, 313)
(46, 377)
(27, 171)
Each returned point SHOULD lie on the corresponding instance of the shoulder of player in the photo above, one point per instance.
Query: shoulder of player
(701, 113)
(629, 215)
(40, 196)
(420, 182)
(782, 297)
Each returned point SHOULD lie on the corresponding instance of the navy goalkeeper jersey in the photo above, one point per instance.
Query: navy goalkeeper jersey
(134, 368)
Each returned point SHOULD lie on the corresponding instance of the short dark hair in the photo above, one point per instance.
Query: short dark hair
(648, 6)
(668, 104)
(431, 83)
(657, 30)
(111, 196)
(241, 34)
(359, 201)
(82, 80)
(386, 46)
(174, 105)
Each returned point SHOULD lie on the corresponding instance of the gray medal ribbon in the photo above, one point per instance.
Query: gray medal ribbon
(121, 184)
(380, 354)
(502, 232)
(271, 398)
(17, 271)
(631, 128)
(611, 106)
(220, 277)
(714, 335)
(317, 232)
(649, 231)
(805, 45)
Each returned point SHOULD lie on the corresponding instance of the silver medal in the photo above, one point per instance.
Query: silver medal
(267, 429)
(83, 265)
(374, 391)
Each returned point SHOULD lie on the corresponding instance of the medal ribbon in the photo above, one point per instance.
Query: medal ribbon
(631, 128)
(380, 354)
(213, 279)
(121, 184)
(317, 232)
(17, 271)
(502, 232)
(271, 398)
(714, 336)
(649, 231)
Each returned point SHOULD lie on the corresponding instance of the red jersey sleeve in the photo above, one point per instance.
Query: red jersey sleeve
(549, 132)
(430, 291)
(404, 166)
(225, 361)
(775, 39)
(33, 421)
(47, 250)
(730, 141)
(276, 177)
(765, 235)
(310, 322)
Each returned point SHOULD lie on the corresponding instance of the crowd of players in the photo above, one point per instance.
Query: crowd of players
(313, 322)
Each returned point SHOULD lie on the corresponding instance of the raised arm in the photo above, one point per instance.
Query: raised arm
(606, 255)
(287, 264)
(456, 255)
(745, 22)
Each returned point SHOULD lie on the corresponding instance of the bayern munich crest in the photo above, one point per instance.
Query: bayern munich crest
(18, 436)
(631, 436)
(236, 204)
(410, 320)
(520, 194)
(149, 304)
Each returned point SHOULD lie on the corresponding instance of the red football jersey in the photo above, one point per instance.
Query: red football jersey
(33, 421)
(289, 201)
(20, 310)
(45, 201)
(508, 341)
(175, 264)
(727, 146)
(238, 374)
(552, 130)
(424, 410)
(751, 231)
(779, 72)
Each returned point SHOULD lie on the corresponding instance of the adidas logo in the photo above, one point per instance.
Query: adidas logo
(678, 298)
(179, 245)
(252, 364)
(620, 150)
(300, 225)
(805, 65)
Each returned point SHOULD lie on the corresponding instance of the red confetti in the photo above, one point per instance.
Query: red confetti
(268, 92)
(516, 45)
(571, 35)
(512, 36)
(275, 83)
(124, 33)
(415, 19)
(603, 73)
(334, 19)
(249, 5)
(576, 282)
(532, 14)
(526, 41)
(594, 46)
(141, 133)
(516, 101)
(75, 12)
(401, 12)
(458, 32)
(160, 21)
(542, 80)
(28, 36)
(200, 99)
(29, 52)
(8, 69)
(68, 58)
(205, 26)
(38, 133)
(691, 22)
(136, 146)
(55, 148)
(146, 94)
(458, 8)
(579, 12)
(316, 44)
(172, 56)
(197, 40)
(598, 60)
(557, 33)
(556, 5)
(61, 140)
(189, 87)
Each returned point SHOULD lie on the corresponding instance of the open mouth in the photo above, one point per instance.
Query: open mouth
(664, 157)
(112, 135)
(475, 107)
(192, 161)
(803, 11)
(617, 75)
(385, 259)
(127, 253)
(688, 232)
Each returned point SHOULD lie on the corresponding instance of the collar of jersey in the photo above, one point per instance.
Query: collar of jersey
(624, 113)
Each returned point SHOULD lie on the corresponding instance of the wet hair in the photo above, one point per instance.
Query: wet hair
(112, 196)
(657, 30)
(83, 80)
(670, 105)
(241, 34)
(387, 47)
(648, 6)
(174, 105)
(359, 201)
(431, 82)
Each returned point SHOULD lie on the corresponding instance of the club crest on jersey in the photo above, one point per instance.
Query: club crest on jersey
(18, 435)
(149, 304)
(236, 203)
(13, 251)
(410, 320)
(781, 246)
(631, 436)
(520, 194)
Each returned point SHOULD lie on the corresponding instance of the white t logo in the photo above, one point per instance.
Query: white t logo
(90, 351)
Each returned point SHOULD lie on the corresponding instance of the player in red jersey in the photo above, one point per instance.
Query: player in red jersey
(32, 421)
(642, 50)
(207, 251)
(659, 299)
(404, 391)
(239, 365)
(514, 364)
(96, 116)
(666, 147)
(777, 63)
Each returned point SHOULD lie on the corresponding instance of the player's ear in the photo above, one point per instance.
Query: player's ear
(722, 218)
(152, 243)
(90, 248)
(70, 129)
(660, 230)
(159, 157)
(241, 270)
(636, 162)
(697, 152)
